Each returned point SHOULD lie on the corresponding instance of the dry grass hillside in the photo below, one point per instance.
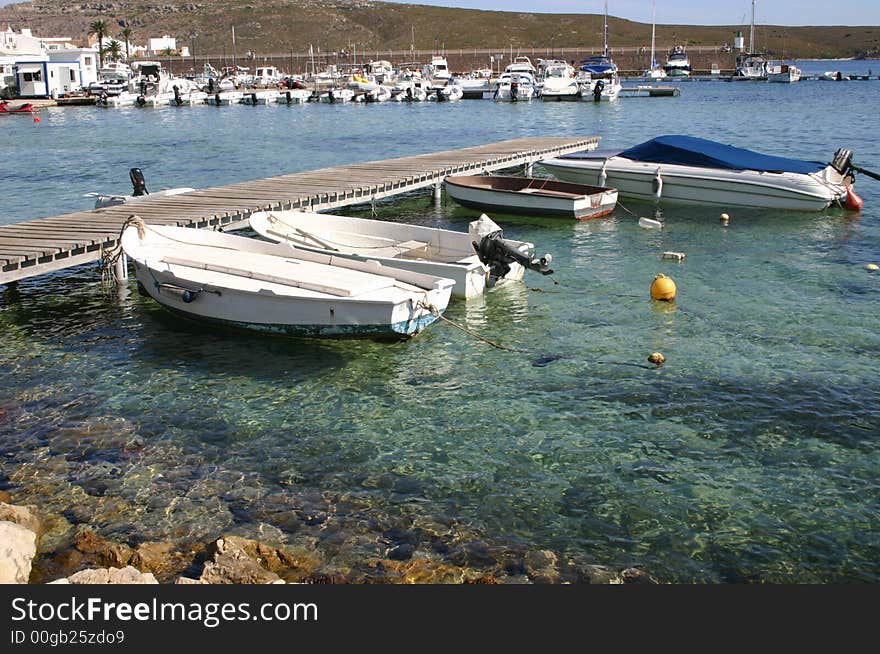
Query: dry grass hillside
(277, 27)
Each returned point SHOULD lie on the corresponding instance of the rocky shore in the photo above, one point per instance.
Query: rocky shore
(37, 548)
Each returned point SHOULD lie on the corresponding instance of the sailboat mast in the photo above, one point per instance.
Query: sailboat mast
(653, 31)
(752, 31)
(605, 47)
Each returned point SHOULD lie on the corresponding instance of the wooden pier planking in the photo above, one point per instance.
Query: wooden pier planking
(36, 247)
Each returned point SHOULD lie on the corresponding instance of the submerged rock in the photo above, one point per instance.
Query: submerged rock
(126, 575)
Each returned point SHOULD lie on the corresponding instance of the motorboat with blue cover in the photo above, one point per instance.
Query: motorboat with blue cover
(691, 170)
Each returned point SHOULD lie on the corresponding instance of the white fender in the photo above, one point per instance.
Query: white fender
(658, 186)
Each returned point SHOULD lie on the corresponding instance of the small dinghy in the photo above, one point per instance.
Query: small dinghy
(476, 260)
(275, 288)
(531, 196)
(26, 108)
(139, 192)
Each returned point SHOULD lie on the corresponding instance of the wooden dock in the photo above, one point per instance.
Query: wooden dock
(44, 245)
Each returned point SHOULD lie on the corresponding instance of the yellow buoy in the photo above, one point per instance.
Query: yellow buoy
(657, 358)
(663, 288)
(872, 266)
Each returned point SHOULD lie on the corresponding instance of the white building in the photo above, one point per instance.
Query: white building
(14, 46)
(44, 67)
(162, 44)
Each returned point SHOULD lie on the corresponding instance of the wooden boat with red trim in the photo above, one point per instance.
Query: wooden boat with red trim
(531, 196)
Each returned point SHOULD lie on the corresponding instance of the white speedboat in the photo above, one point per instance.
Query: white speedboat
(268, 96)
(188, 97)
(601, 88)
(271, 287)
(677, 63)
(689, 170)
(224, 99)
(531, 196)
(121, 99)
(379, 93)
(515, 87)
(293, 96)
(409, 91)
(560, 83)
(433, 251)
(599, 75)
(449, 93)
(337, 96)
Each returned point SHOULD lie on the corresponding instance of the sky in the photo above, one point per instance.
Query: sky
(690, 12)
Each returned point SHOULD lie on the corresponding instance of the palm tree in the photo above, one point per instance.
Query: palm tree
(169, 52)
(99, 27)
(114, 50)
(125, 33)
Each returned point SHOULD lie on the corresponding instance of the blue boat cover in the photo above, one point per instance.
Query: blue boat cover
(692, 151)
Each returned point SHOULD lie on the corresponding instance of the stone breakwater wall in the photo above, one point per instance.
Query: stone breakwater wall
(33, 549)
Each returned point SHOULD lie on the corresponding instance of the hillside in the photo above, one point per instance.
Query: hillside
(278, 27)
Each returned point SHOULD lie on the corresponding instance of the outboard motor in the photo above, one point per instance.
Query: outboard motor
(331, 97)
(514, 91)
(497, 253)
(842, 161)
(177, 99)
(254, 99)
(143, 86)
(409, 95)
(138, 182)
(597, 90)
(210, 85)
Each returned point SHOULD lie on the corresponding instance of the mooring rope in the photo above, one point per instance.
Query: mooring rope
(434, 311)
(110, 257)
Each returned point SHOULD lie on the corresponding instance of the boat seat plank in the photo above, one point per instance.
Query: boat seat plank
(287, 272)
(555, 194)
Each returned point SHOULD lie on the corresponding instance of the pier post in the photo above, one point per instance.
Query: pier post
(120, 268)
(527, 169)
(438, 191)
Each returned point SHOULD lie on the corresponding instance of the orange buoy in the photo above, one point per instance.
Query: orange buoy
(657, 358)
(663, 288)
(853, 202)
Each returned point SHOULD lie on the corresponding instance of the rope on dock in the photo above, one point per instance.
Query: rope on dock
(434, 311)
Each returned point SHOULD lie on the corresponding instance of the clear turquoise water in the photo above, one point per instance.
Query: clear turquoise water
(751, 455)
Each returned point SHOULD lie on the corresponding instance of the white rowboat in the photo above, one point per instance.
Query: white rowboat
(433, 251)
(531, 196)
(271, 287)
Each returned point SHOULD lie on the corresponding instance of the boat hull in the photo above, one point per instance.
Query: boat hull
(443, 253)
(533, 197)
(266, 287)
(693, 185)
